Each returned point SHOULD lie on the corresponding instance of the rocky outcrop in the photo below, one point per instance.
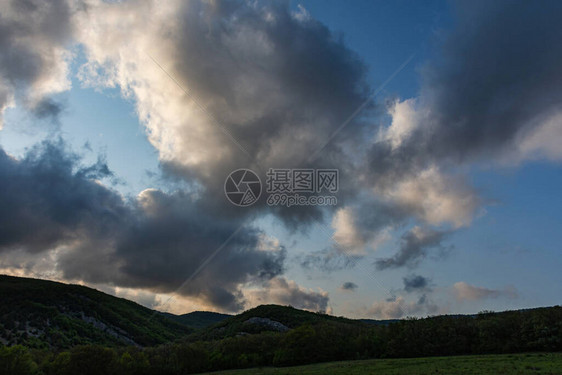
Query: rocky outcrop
(266, 324)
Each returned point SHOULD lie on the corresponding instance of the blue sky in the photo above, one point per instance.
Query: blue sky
(473, 198)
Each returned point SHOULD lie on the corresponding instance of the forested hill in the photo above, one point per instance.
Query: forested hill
(47, 314)
(269, 318)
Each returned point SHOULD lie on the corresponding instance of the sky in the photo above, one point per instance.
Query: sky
(121, 121)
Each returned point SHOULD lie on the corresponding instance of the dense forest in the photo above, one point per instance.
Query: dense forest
(282, 336)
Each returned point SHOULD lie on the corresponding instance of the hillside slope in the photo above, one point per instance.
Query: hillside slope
(270, 318)
(41, 313)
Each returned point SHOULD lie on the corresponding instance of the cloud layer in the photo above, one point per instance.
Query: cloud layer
(156, 241)
(220, 85)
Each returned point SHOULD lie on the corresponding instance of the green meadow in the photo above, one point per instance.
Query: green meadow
(539, 363)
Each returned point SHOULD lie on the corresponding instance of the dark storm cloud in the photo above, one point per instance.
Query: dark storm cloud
(33, 38)
(499, 74)
(47, 108)
(414, 283)
(280, 84)
(348, 285)
(414, 246)
(165, 241)
(494, 82)
(491, 93)
(45, 202)
(156, 242)
(312, 69)
(172, 237)
(495, 79)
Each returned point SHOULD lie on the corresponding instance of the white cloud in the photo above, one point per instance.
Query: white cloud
(542, 141)
(354, 237)
(466, 292)
(346, 233)
(405, 119)
(435, 197)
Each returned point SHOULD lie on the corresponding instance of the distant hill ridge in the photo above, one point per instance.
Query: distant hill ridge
(47, 314)
(41, 313)
(198, 319)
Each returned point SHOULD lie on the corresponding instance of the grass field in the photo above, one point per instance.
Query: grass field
(540, 363)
